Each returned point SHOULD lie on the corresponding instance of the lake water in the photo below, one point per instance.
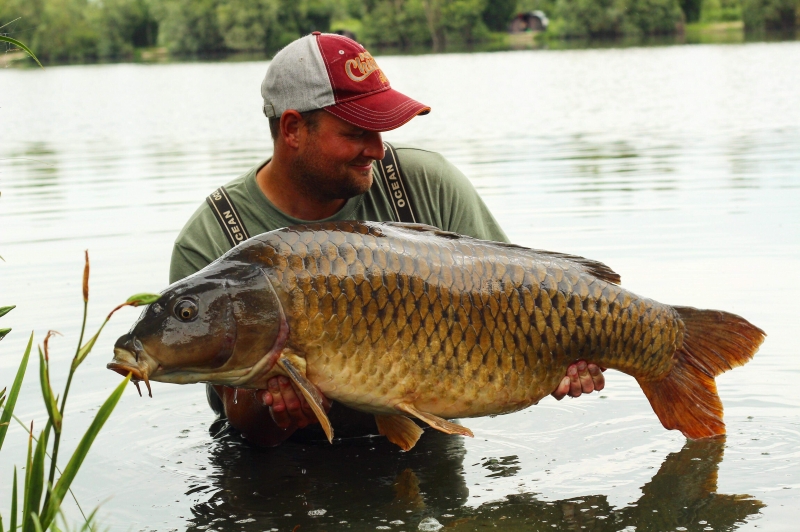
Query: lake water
(677, 166)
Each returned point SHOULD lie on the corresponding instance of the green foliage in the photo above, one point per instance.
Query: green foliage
(720, 10)
(122, 26)
(691, 9)
(188, 26)
(250, 25)
(589, 18)
(498, 13)
(401, 23)
(611, 18)
(761, 15)
(650, 17)
(463, 20)
(80, 30)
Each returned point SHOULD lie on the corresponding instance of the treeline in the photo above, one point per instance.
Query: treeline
(70, 30)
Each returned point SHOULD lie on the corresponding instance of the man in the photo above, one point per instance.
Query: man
(327, 101)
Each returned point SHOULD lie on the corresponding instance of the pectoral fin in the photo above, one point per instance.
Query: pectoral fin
(399, 430)
(311, 394)
(435, 421)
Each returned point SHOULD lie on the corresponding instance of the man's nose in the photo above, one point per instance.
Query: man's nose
(374, 146)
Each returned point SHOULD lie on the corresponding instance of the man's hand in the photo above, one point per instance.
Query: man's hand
(287, 407)
(581, 378)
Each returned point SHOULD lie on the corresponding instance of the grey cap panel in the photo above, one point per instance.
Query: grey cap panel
(297, 79)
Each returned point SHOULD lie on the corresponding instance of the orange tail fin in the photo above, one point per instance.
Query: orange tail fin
(714, 342)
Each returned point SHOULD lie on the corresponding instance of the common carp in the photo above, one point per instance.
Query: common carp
(404, 320)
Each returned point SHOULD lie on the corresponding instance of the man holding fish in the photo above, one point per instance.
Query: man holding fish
(328, 102)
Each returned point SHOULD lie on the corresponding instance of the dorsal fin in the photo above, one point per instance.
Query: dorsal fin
(596, 268)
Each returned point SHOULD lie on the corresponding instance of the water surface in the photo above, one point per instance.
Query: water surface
(677, 166)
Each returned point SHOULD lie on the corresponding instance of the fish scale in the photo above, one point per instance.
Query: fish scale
(374, 314)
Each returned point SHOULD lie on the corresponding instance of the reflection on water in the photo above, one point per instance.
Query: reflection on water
(368, 483)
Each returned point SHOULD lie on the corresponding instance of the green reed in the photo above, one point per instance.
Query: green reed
(43, 477)
(21, 46)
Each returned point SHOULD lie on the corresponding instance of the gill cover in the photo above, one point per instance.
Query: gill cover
(214, 326)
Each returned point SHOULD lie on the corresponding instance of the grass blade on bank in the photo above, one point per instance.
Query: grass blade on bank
(11, 402)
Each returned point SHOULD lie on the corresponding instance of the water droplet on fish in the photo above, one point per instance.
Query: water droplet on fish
(236, 396)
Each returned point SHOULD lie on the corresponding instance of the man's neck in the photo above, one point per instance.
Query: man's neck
(276, 183)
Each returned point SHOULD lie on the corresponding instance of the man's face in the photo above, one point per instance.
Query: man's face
(334, 159)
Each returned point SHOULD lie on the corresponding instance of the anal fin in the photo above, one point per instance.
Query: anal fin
(311, 394)
(435, 421)
(399, 430)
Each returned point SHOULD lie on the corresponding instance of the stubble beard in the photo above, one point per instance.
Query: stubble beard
(315, 180)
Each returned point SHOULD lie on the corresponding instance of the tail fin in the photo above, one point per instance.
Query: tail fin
(714, 342)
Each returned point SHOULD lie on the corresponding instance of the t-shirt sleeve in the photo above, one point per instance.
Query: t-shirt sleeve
(199, 243)
(184, 262)
(462, 209)
(441, 195)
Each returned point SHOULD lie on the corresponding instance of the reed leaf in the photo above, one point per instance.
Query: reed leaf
(34, 485)
(21, 46)
(28, 469)
(47, 393)
(11, 402)
(4, 332)
(60, 489)
(6, 310)
(84, 351)
(12, 524)
(144, 298)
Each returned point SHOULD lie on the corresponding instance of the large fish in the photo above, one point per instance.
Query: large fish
(405, 320)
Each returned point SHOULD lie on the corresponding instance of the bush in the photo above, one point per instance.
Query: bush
(612, 18)
(760, 15)
(498, 13)
(721, 11)
(402, 23)
(650, 17)
(122, 26)
(691, 9)
(188, 26)
(59, 30)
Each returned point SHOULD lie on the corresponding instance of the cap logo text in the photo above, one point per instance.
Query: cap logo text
(360, 68)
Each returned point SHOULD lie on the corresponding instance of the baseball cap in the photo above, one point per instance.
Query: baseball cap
(335, 73)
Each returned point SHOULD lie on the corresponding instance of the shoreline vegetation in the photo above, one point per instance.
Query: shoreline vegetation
(40, 493)
(80, 31)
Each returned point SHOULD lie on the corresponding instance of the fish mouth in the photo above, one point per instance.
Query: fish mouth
(138, 365)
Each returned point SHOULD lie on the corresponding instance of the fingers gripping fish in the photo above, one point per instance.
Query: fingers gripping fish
(405, 320)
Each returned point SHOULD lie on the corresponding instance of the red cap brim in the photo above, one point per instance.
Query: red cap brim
(381, 111)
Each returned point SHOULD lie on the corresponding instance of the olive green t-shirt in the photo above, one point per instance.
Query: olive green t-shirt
(438, 192)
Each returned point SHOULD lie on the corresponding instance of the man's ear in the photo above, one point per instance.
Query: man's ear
(290, 128)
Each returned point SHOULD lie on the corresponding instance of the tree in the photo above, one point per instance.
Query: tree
(498, 13)
(760, 15)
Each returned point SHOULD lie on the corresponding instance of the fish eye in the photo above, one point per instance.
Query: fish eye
(185, 310)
